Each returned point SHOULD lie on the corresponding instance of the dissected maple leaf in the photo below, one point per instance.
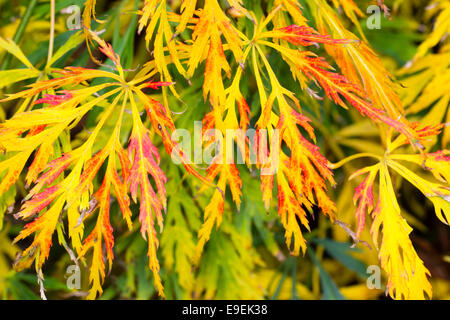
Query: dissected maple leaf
(58, 192)
(407, 276)
(440, 29)
(424, 90)
(360, 65)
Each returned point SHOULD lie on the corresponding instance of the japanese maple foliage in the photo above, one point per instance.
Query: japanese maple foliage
(67, 184)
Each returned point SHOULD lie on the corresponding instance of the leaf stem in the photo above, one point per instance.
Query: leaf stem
(353, 157)
(52, 31)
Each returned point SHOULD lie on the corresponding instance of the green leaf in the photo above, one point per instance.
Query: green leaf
(341, 251)
(329, 287)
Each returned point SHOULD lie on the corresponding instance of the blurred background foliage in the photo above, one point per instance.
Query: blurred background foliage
(246, 258)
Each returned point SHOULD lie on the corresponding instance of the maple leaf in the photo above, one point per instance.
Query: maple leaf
(237, 6)
(364, 195)
(155, 11)
(9, 77)
(306, 65)
(211, 19)
(228, 174)
(352, 11)
(294, 10)
(215, 63)
(236, 259)
(223, 166)
(407, 276)
(302, 35)
(72, 193)
(301, 176)
(182, 219)
(74, 179)
(440, 29)
(361, 66)
(424, 90)
(102, 230)
(88, 16)
(211, 23)
(187, 12)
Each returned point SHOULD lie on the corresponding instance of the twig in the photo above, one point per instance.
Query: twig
(52, 31)
(41, 285)
(346, 228)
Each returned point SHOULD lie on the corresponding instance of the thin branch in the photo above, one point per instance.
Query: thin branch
(346, 228)
(52, 32)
